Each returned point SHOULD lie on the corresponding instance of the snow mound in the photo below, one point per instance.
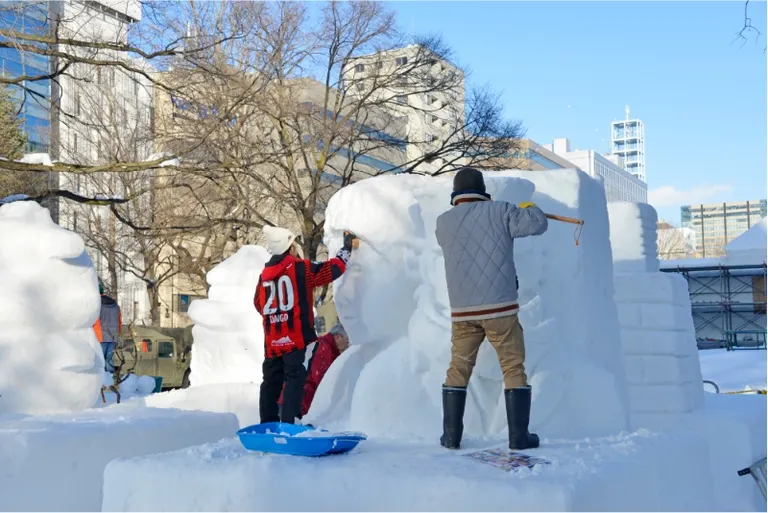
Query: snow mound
(228, 332)
(393, 303)
(56, 463)
(50, 360)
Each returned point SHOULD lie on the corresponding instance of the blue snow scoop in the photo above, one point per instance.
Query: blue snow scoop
(281, 438)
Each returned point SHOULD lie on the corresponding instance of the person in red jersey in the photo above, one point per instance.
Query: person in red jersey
(284, 299)
(327, 348)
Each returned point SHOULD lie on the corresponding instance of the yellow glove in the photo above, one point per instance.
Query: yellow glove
(526, 204)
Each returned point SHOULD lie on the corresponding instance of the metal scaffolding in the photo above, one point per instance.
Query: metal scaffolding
(728, 304)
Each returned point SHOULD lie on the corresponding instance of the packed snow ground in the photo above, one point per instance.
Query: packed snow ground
(733, 371)
(613, 473)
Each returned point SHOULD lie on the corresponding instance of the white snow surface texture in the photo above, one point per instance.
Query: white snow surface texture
(50, 359)
(393, 302)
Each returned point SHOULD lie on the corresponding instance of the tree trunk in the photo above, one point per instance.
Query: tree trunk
(112, 255)
(154, 305)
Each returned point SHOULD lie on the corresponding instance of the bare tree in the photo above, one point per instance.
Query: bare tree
(748, 29)
(671, 243)
(309, 107)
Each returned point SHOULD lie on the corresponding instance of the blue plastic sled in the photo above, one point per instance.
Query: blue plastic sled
(281, 438)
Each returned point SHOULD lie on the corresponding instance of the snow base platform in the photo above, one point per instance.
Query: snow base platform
(638, 471)
(56, 463)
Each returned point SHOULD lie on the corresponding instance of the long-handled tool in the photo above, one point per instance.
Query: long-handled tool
(570, 220)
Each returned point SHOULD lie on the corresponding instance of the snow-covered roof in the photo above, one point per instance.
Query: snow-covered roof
(752, 239)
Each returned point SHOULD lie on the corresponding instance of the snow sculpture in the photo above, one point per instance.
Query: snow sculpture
(50, 360)
(394, 304)
(228, 333)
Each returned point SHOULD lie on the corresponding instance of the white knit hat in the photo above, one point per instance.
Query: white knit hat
(279, 240)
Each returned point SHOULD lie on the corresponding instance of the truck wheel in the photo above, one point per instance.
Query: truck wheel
(185, 380)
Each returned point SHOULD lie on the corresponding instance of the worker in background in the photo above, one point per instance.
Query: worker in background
(108, 327)
(477, 237)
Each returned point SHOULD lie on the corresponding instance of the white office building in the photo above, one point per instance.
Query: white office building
(433, 113)
(620, 185)
(628, 144)
(104, 115)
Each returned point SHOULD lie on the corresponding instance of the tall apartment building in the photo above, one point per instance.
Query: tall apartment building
(619, 185)
(432, 113)
(628, 144)
(717, 224)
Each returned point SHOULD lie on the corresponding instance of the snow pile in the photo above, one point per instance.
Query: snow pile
(749, 247)
(393, 302)
(658, 339)
(619, 473)
(228, 333)
(57, 463)
(50, 360)
(633, 240)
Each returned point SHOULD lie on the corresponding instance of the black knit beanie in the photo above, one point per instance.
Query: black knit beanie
(468, 181)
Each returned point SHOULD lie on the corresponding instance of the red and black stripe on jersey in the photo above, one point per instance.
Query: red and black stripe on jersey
(284, 300)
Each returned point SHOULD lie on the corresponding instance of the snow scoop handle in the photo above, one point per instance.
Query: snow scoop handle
(571, 220)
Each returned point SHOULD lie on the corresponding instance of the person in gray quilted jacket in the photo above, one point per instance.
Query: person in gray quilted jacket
(477, 237)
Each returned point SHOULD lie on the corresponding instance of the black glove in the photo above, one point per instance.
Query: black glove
(349, 240)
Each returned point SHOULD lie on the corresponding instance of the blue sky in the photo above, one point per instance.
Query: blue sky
(567, 69)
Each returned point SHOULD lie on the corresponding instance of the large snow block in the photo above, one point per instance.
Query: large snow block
(50, 360)
(393, 302)
(651, 287)
(57, 463)
(658, 369)
(635, 472)
(228, 332)
(640, 341)
(241, 399)
(633, 236)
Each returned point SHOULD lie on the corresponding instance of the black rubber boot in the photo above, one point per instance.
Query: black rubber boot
(518, 401)
(454, 400)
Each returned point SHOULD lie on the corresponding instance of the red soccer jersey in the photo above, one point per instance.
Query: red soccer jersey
(284, 300)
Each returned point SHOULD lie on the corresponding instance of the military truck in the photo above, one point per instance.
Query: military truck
(164, 352)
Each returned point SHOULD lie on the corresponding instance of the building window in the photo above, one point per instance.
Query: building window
(401, 61)
(402, 100)
(183, 301)
(359, 67)
(74, 144)
(77, 104)
(431, 99)
(431, 138)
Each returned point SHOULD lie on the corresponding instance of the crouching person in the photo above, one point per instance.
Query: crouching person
(477, 237)
(327, 349)
(284, 300)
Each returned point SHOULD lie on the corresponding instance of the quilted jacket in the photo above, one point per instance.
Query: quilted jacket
(477, 239)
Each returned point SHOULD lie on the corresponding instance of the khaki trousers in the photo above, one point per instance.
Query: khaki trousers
(505, 335)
